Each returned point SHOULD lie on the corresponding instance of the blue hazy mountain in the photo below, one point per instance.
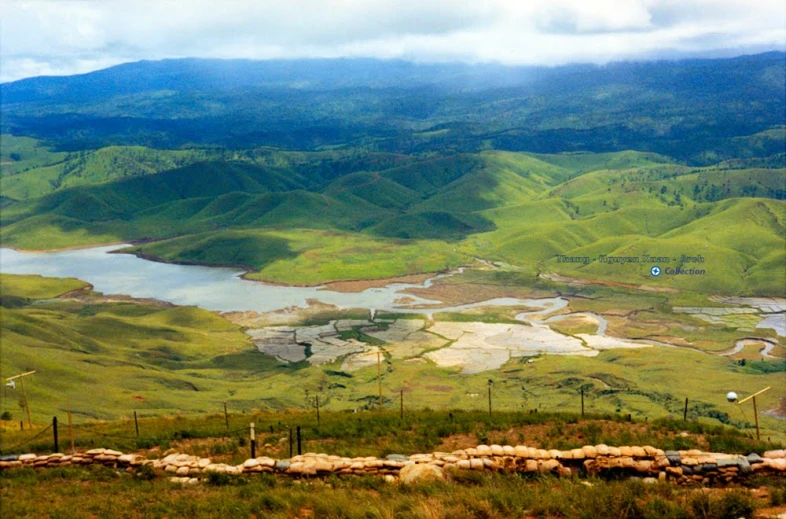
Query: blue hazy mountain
(694, 110)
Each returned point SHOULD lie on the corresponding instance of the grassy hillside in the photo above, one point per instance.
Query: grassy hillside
(523, 209)
(18, 154)
(38, 172)
(144, 357)
(647, 208)
(307, 256)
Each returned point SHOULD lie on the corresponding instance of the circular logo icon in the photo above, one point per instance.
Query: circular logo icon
(655, 271)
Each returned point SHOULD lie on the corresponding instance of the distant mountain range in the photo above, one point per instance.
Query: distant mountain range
(693, 110)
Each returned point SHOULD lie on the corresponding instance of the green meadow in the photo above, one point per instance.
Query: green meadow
(307, 256)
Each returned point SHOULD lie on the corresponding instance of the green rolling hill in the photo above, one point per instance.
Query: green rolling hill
(523, 209)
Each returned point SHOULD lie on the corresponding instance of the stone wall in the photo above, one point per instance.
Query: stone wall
(683, 467)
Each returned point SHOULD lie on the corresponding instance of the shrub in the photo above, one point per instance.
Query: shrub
(218, 479)
(735, 504)
(777, 496)
(146, 473)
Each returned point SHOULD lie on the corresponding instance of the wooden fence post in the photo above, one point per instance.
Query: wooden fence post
(54, 431)
(253, 442)
(71, 432)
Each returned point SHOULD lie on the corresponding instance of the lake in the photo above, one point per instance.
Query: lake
(211, 288)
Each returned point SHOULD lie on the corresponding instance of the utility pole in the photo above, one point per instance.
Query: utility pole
(491, 382)
(10, 382)
(379, 376)
(755, 409)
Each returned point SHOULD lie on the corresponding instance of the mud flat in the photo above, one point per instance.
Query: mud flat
(278, 342)
(472, 347)
(748, 313)
(604, 342)
(481, 347)
(775, 321)
(365, 359)
(407, 337)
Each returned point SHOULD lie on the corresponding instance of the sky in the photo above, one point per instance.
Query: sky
(59, 37)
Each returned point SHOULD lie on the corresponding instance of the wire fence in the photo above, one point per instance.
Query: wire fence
(89, 433)
(90, 429)
(271, 426)
(29, 440)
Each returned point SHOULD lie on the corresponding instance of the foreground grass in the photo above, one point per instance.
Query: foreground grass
(102, 492)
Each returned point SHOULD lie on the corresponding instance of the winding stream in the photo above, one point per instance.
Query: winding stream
(740, 345)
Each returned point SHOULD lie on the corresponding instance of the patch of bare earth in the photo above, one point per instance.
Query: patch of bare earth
(87, 296)
(453, 294)
(780, 411)
(441, 389)
(578, 282)
(285, 316)
(359, 285)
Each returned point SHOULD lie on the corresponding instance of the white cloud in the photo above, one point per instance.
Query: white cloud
(69, 36)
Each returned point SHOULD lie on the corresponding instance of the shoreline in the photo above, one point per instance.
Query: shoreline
(414, 277)
(417, 277)
(66, 249)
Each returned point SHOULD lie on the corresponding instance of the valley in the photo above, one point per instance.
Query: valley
(436, 259)
(536, 240)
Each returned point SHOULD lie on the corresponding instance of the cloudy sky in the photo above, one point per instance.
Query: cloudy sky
(66, 37)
